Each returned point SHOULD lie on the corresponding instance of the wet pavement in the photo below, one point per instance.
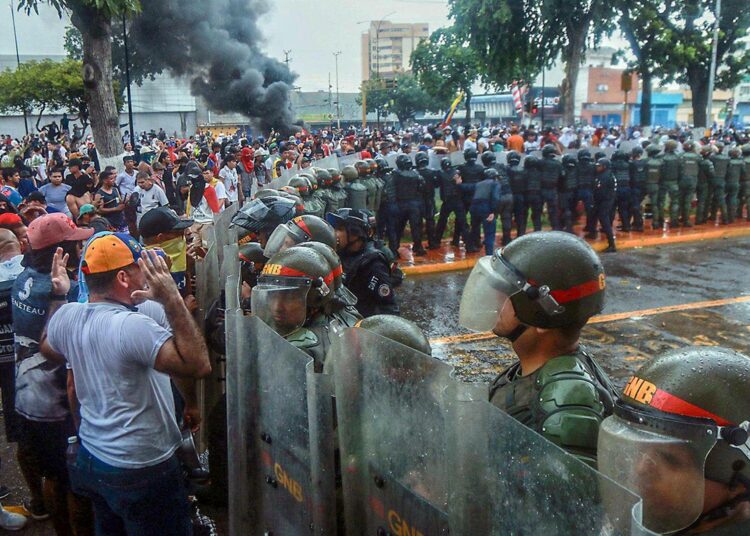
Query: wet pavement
(639, 281)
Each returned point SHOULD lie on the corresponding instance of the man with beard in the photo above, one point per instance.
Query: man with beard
(539, 292)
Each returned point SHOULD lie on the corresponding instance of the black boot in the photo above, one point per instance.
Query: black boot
(611, 248)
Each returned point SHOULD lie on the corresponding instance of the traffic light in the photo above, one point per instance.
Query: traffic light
(534, 108)
(391, 83)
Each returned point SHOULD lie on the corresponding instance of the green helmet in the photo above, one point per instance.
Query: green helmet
(252, 261)
(350, 173)
(293, 283)
(300, 229)
(734, 152)
(670, 146)
(553, 279)
(683, 418)
(335, 175)
(688, 146)
(653, 150)
(719, 146)
(362, 167)
(398, 329)
(302, 184)
(334, 262)
(265, 192)
(373, 165)
(746, 149)
(324, 178)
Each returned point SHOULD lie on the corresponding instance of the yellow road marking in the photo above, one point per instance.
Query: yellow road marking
(471, 337)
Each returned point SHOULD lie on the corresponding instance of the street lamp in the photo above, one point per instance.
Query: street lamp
(338, 102)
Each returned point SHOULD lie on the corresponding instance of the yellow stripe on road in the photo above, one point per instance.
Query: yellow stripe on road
(471, 337)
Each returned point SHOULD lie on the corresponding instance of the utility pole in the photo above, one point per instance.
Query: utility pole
(338, 102)
(287, 59)
(544, 70)
(18, 59)
(127, 79)
(712, 73)
(330, 100)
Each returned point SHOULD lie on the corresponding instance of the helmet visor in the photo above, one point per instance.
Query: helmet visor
(664, 465)
(282, 305)
(284, 237)
(485, 294)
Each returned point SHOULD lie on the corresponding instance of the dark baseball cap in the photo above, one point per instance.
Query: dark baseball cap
(161, 220)
(75, 162)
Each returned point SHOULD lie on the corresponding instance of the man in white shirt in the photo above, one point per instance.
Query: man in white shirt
(120, 360)
(148, 196)
(228, 175)
(125, 181)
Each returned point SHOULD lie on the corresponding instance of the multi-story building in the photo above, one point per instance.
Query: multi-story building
(387, 48)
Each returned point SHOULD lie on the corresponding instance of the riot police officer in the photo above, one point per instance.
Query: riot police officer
(745, 184)
(356, 193)
(621, 171)
(471, 172)
(450, 193)
(703, 188)
(539, 292)
(688, 183)
(669, 185)
(605, 194)
(408, 186)
(638, 180)
(367, 272)
(305, 228)
(387, 216)
(517, 176)
(718, 187)
(585, 192)
(312, 205)
(568, 187)
(431, 181)
(262, 215)
(735, 176)
(654, 166)
(366, 180)
(338, 192)
(325, 193)
(550, 170)
(533, 193)
(679, 439)
(483, 208)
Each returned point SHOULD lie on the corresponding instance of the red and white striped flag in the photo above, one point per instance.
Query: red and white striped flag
(518, 91)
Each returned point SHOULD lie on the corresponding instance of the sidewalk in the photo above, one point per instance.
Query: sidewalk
(448, 258)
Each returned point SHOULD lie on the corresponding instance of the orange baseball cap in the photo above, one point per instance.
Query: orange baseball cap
(110, 252)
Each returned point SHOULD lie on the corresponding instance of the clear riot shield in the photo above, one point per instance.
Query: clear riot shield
(391, 432)
(223, 234)
(457, 158)
(327, 162)
(435, 160)
(627, 145)
(510, 480)
(348, 159)
(391, 159)
(280, 413)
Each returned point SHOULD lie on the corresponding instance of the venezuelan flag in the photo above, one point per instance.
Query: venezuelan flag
(449, 115)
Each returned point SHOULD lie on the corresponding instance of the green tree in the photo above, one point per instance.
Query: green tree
(444, 65)
(142, 66)
(93, 18)
(402, 97)
(44, 86)
(687, 43)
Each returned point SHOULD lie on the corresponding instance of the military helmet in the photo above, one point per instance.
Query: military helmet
(719, 146)
(549, 150)
(569, 161)
(684, 412)
(734, 152)
(688, 146)
(514, 157)
(264, 214)
(252, 261)
(397, 329)
(531, 162)
(302, 184)
(335, 175)
(637, 151)
(670, 146)
(488, 158)
(289, 189)
(604, 164)
(312, 176)
(403, 162)
(362, 167)
(445, 163)
(350, 173)
(334, 262)
(373, 165)
(470, 154)
(746, 149)
(266, 192)
(599, 155)
(584, 155)
(619, 155)
(324, 177)
(421, 159)
(305, 228)
(491, 173)
(653, 150)
(382, 164)
(357, 222)
(707, 150)
(553, 279)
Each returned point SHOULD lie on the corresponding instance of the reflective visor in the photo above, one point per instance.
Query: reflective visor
(281, 302)
(284, 237)
(661, 459)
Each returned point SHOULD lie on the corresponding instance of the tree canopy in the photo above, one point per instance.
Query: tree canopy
(402, 97)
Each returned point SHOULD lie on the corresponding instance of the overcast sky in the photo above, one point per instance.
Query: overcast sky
(313, 31)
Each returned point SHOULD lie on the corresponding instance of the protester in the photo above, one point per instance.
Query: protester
(111, 202)
(55, 191)
(161, 228)
(149, 197)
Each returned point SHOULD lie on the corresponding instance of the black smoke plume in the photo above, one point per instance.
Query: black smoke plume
(216, 43)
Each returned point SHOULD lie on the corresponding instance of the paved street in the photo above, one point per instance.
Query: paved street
(658, 298)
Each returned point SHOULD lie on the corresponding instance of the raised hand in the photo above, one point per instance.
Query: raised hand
(59, 273)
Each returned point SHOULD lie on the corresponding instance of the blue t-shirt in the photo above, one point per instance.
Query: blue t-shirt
(40, 384)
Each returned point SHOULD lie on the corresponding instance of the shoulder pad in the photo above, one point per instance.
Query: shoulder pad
(302, 338)
(570, 400)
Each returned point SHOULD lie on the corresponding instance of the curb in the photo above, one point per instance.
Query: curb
(634, 242)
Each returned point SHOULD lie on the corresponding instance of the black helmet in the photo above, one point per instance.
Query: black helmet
(488, 158)
(619, 155)
(599, 154)
(584, 155)
(470, 154)
(549, 150)
(514, 157)
(491, 173)
(403, 162)
(445, 163)
(421, 159)
(264, 214)
(637, 151)
(604, 164)
(531, 162)
(382, 164)
(356, 221)
(553, 279)
(252, 261)
(569, 160)
(305, 228)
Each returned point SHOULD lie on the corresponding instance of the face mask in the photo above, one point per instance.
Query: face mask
(176, 248)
